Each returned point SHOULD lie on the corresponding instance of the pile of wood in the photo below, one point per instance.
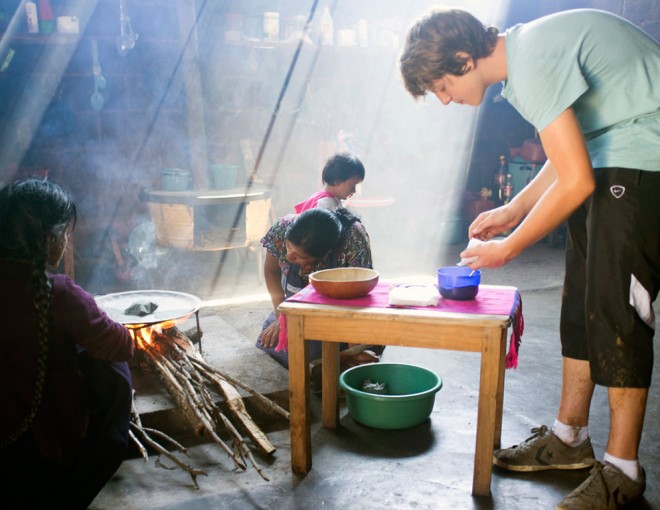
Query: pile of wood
(198, 389)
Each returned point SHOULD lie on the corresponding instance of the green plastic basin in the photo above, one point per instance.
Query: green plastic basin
(409, 400)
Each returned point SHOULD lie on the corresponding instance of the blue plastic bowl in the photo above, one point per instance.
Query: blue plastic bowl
(458, 283)
(408, 397)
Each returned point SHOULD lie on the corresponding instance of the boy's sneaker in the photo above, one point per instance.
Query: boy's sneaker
(607, 488)
(543, 451)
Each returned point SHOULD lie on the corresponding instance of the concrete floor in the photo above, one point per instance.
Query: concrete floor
(425, 467)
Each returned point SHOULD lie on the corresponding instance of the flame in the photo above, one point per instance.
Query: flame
(144, 335)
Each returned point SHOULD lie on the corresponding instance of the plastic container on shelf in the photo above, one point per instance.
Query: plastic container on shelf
(522, 171)
(175, 179)
(223, 176)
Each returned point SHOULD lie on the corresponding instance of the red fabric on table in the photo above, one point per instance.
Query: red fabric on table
(491, 300)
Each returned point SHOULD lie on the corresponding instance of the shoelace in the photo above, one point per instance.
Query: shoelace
(593, 490)
(537, 432)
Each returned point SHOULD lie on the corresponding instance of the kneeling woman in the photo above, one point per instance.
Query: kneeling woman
(299, 245)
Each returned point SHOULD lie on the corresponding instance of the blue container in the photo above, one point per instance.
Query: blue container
(175, 179)
(458, 283)
(522, 171)
(223, 176)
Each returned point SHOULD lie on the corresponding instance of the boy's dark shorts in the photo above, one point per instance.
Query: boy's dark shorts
(613, 277)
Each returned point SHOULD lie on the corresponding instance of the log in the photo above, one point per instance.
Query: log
(237, 407)
(136, 425)
(174, 389)
(264, 402)
(192, 384)
(194, 405)
(232, 396)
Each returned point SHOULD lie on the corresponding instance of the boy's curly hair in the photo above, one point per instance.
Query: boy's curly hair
(432, 45)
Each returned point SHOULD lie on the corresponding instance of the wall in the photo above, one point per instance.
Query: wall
(185, 96)
(500, 126)
(105, 157)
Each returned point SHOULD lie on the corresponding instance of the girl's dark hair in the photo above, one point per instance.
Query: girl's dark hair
(341, 167)
(317, 231)
(33, 214)
(433, 42)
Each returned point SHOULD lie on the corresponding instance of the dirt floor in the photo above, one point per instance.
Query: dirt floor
(425, 467)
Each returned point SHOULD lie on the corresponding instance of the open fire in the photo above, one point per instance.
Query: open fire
(198, 390)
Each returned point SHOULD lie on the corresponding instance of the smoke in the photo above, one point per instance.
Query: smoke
(201, 87)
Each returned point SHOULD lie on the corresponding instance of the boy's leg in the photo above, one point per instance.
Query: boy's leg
(627, 409)
(576, 391)
(544, 450)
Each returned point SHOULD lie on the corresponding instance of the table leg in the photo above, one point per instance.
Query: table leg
(330, 393)
(497, 439)
(490, 393)
(301, 437)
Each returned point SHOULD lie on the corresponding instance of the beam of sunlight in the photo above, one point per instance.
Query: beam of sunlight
(26, 114)
(294, 103)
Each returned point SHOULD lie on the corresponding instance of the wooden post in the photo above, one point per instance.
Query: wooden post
(194, 99)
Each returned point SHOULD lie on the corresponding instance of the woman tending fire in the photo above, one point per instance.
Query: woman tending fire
(65, 385)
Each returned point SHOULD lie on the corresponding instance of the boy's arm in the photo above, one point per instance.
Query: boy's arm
(564, 183)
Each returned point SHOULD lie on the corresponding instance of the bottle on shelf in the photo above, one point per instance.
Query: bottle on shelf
(31, 17)
(507, 195)
(362, 33)
(271, 26)
(327, 28)
(498, 183)
(46, 20)
(507, 189)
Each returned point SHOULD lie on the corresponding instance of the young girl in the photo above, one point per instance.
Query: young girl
(341, 175)
(65, 386)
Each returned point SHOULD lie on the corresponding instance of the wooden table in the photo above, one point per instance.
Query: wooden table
(393, 326)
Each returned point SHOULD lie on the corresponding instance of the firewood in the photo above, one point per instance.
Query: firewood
(226, 385)
(241, 446)
(194, 386)
(204, 421)
(174, 388)
(136, 425)
(237, 406)
(185, 344)
(265, 403)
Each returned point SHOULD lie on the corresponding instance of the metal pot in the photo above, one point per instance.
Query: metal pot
(167, 306)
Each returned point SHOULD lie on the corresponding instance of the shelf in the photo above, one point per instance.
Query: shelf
(40, 39)
(287, 45)
(205, 197)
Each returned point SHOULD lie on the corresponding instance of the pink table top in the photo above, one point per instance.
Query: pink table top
(491, 300)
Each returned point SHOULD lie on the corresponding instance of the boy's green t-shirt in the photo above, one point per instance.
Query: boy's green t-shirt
(603, 66)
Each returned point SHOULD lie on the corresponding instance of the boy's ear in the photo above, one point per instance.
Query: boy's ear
(467, 59)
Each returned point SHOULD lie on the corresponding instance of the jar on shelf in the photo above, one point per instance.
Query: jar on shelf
(271, 26)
